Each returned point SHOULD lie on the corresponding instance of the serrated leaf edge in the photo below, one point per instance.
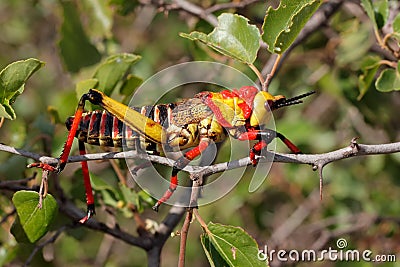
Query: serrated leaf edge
(220, 249)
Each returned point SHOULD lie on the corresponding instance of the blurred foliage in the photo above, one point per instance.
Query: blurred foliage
(341, 61)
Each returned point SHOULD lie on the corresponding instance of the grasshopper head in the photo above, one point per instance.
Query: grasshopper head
(264, 103)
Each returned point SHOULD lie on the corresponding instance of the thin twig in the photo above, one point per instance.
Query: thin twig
(118, 172)
(272, 73)
(43, 244)
(8, 215)
(296, 218)
(200, 12)
(19, 181)
(184, 234)
(105, 246)
(234, 4)
(196, 10)
(257, 72)
(69, 209)
(164, 231)
(391, 64)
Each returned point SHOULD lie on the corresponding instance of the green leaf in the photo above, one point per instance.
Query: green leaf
(282, 25)
(110, 194)
(12, 81)
(396, 24)
(233, 37)
(128, 198)
(99, 17)
(130, 85)
(82, 87)
(108, 198)
(113, 69)
(98, 183)
(381, 13)
(144, 199)
(357, 35)
(389, 80)
(230, 246)
(18, 232)
(35, 221)
(369, 9)
(377, 12)
(369, 68)
(213, 256)
(396, 27)
(75, 47)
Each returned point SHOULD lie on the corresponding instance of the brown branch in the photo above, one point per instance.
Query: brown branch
(164, 231)
(154, 243)
(196, 10)
(354, 150)
(287, 228)
(234, 4)
(8, 215)
(184, 234)
(43, 244)
(319, 160)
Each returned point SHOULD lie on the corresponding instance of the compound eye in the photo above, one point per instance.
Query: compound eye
(269, 105)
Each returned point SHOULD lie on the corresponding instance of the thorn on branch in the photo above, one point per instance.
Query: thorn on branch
(196, 177)
(354, 145)
(319, 166)
(354, 148)
(321, 180)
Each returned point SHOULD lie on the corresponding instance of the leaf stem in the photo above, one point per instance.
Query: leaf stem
(258, 73)
(388, 63)
(272, 73)
(201, 221)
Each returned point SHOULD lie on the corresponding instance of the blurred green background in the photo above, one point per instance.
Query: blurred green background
(361, 196)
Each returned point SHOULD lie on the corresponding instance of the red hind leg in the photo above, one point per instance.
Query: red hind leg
(181, 163)
(88, 186)
(64, 158)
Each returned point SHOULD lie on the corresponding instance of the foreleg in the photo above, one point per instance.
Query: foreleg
(265, 137)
